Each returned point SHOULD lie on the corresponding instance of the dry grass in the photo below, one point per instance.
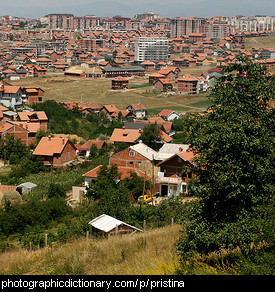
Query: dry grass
(147, 253)
(99, 91)
(259, 42)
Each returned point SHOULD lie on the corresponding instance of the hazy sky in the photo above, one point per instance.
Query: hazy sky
(128, 8)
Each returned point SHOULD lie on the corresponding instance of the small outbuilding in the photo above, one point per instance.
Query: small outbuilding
(27, 187)
(105, 225)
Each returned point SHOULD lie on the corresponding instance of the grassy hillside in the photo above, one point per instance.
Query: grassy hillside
(99, 91)
(148, 253)
(259, 42)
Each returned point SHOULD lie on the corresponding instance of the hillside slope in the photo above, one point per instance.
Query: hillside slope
(147, 253)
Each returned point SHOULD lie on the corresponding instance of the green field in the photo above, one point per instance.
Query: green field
(99, 91)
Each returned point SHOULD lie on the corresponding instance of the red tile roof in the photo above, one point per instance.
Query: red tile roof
(49, 146)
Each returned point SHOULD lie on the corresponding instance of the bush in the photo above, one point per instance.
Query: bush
(10, 197)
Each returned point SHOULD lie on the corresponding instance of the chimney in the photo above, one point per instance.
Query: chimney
(139, 130)
(123, 127)
(180, 149)
(49, 138)
(63, 141)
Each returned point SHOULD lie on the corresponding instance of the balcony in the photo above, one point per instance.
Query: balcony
(169, 180)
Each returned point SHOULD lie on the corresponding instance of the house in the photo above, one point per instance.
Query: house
(163, 85)
(153, 78)
(119, 83)
(175, 173)
(170, 73)
(187, 85)
(85, 149)
(32, 95)
(105, 225)
(18, 131)
(148, 66)
(168, 114)
(108, 110)
(10, 96)
(123, 135)
(169, 149)
(85, 108)
(39, 117)
(134, 156)
(55, 152)
(125, 172)
(137, 109)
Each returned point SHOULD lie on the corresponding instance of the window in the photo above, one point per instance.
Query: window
(132, 153)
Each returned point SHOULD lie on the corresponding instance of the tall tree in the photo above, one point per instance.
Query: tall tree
(235, 143)
(151, 136)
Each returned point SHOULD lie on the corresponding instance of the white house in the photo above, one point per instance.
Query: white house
(169, 114)
(137, 109)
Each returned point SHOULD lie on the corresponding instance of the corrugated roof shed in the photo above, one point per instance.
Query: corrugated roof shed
(107, 223)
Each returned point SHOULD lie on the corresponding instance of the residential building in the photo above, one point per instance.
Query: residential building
(61, 21)
(175, 173)
(85, 149)
(163, 85)
(169, 114)
(119, 83)
(151, 49)
(128, 136)
(187, 85)
(32, 95)
(10, 96)
(135, 156)
(56, 152)
(38, 117)
(137, 109)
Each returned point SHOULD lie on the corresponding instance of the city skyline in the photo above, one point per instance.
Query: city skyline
(172, 8)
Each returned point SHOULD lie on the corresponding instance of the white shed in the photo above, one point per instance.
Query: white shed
(27, 187)
(105, 225)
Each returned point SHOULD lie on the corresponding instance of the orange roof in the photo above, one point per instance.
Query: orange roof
(125, 172)
(165, 112)
(49, 146)
(111, 108)
(88, 145)
(5, 127)
(138, 106)
(26, 116)
(125, 135)
(93, 173)
(11, 89)
(31, 127)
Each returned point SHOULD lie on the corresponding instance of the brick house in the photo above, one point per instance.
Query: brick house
(134, 156)
(163, 85)
(39, 117)
(18, 131)
(175, 173)
(170, 73)
(127, 136)
(32, 95)
(187, 85)
(120, 83)
(56, 152)
(125, 172)
(148, 66)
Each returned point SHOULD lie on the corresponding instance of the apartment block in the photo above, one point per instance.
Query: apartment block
(61, 21)
(151, 49)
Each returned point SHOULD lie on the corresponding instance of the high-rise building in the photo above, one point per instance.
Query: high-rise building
(61, 21)
(151, 49)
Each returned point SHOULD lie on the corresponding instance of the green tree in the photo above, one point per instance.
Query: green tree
(151, 136)
(235, 143)
(107, 179)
